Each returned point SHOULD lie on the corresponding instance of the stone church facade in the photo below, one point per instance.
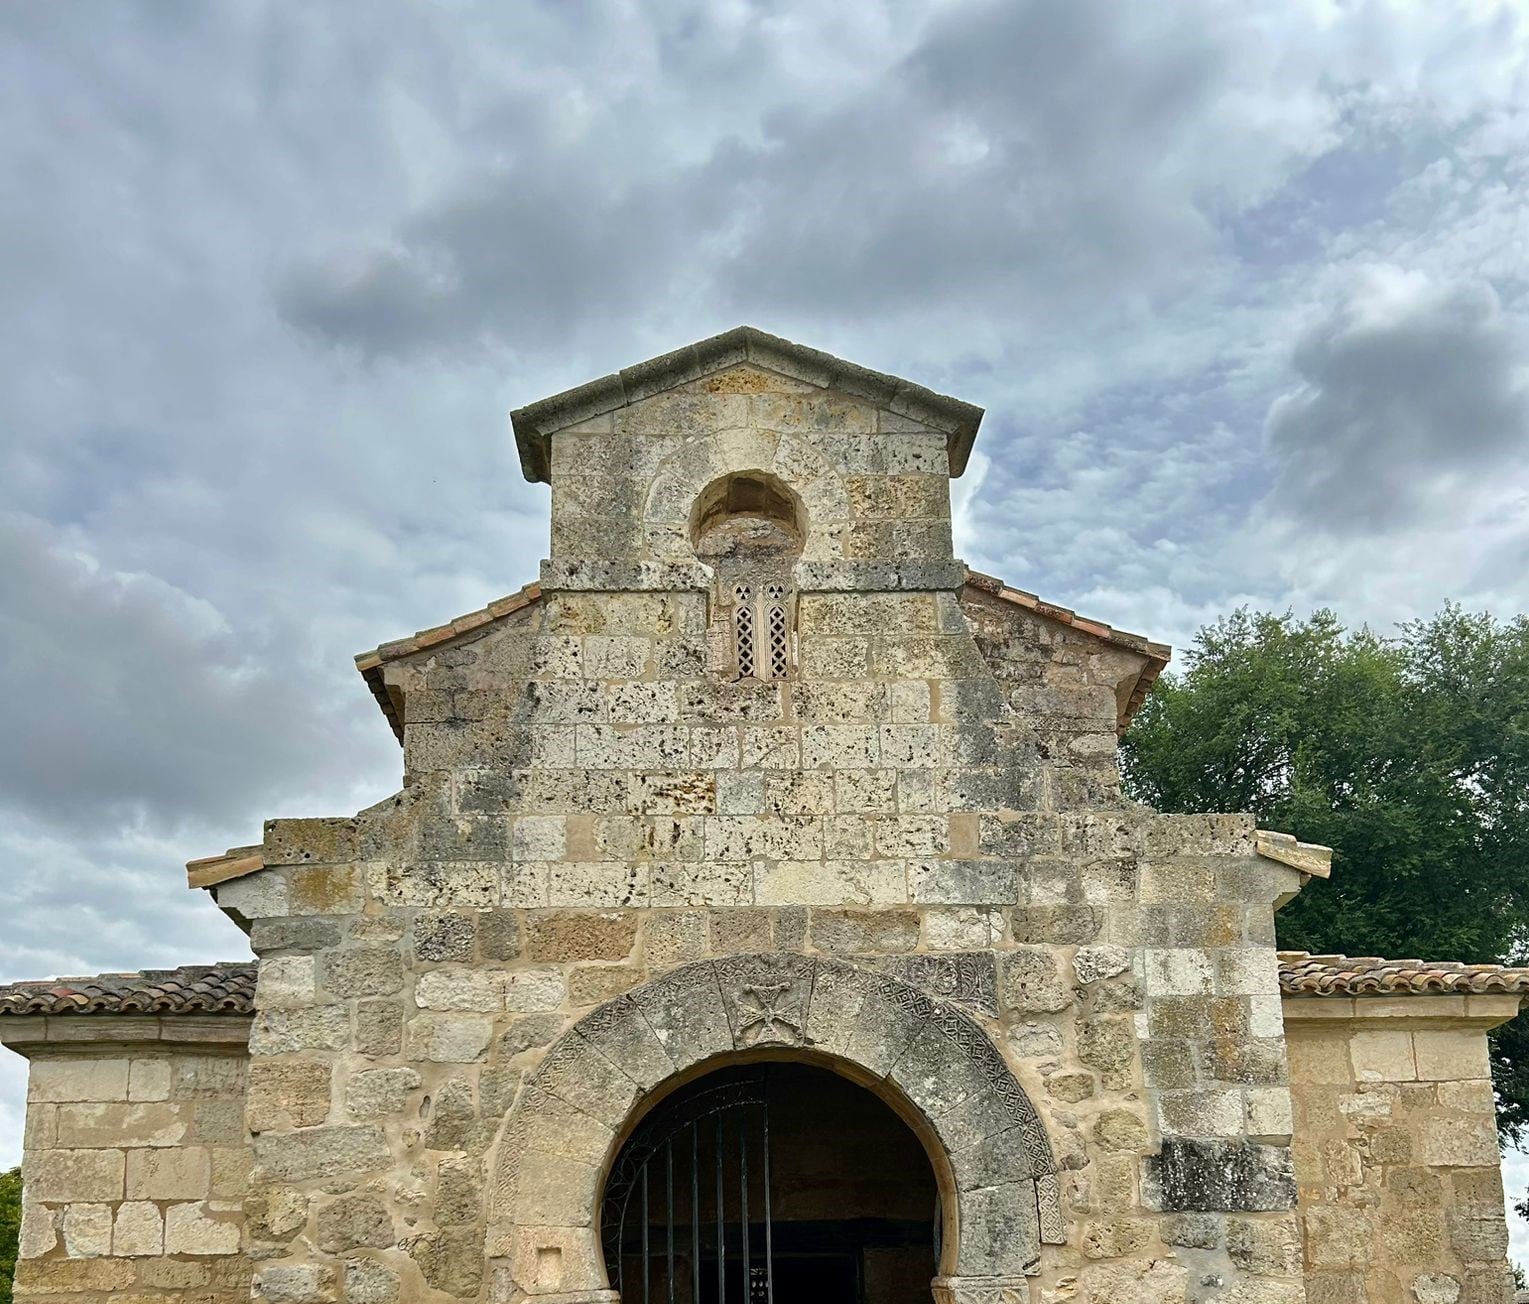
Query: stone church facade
(760, 915)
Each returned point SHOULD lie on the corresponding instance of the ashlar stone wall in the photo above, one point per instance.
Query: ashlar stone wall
(136, 1162)
(592, 803)
(1396, 1155)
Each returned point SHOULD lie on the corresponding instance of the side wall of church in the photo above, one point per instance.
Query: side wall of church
(1396, 1156)
(590, 804)
(135, 1170)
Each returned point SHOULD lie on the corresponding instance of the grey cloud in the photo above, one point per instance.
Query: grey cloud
(128, 701)
(1022, 158)
(1410, 388)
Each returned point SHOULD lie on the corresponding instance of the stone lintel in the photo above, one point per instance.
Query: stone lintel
(93, 1033)
(879, 576)
(599, 576)
(1479, 1012)
(593, 575)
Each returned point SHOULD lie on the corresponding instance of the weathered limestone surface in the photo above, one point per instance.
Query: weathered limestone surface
(137, 1162)
(1395, 1150)
(592, 804)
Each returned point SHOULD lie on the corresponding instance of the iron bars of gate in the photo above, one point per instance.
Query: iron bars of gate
(676, 1218)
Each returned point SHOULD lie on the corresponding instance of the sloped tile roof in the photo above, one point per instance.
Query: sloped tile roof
(371, 662)
(1304, 974)
(227, 988)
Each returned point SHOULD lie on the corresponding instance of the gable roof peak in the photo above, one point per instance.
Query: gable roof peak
(743, 345)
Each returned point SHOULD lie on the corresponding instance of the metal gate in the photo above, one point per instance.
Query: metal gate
(686, 1214)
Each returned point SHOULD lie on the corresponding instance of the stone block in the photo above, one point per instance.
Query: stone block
(448, 1038)
(62, 1176)
(283, 1032)
(68, 1078)
(138, 1230)
(380, 1093)
(331, 1152)
(379, 1027)
(848, 931)
(1191, 1175)
(1382, 1055)
(39, 1230)
(443, 935)
(1449, 1055)
(179, 1173)
(1459, 1143)
(830, 883)
(1029, 982)
(202, 1228)
(148, 1079)
(369, 1281)
(569, 935)
(460, 989)
(286, 1094)
(294, 1283)
(364, 971)
(87, 1230)
(354, 1221)
(1091, 963)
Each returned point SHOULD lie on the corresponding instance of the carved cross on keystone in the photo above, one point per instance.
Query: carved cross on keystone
(762, 1019)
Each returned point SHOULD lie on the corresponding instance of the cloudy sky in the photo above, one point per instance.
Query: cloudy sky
(1242, 287)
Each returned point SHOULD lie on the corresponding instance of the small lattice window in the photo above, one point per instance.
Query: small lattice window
(761, 621)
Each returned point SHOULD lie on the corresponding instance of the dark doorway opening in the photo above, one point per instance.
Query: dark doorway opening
(771, 1182)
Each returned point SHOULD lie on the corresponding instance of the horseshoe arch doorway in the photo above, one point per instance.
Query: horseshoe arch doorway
(771, 1181)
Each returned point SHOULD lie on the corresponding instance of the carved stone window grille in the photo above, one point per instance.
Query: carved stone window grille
(763, 634)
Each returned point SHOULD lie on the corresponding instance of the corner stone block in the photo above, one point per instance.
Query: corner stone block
(262, 895)
(62, 1176)
(69, 1079)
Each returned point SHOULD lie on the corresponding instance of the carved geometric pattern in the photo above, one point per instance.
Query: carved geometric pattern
(966, 976)
(743, 631)
(1048, 1202)
(776, 632)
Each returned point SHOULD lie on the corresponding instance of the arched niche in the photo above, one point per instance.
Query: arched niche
(931, 1062)
(680, 483)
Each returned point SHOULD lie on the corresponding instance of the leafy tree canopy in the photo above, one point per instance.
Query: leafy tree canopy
(10, 1229)
(1408, 755)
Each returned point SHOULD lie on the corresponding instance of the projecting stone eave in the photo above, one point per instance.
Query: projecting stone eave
(535, 423)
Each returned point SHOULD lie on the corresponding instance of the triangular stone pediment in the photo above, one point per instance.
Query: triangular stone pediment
(740, 351)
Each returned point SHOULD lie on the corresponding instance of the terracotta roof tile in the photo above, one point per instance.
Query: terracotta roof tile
(192, 989)
(1304, 974)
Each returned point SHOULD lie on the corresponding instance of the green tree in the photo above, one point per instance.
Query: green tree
(10, 1229)
(1407, 754)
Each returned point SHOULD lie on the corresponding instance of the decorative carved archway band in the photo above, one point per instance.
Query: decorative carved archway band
(930, 1060)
